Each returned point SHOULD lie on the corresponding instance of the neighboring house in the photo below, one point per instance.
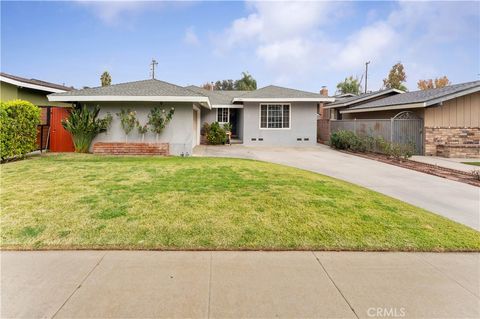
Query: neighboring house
(35, 91)
(345, 101)
(451, 116)
(14, 87)
(269, 116)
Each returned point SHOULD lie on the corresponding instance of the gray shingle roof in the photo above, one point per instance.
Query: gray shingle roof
(215, 97)
(355, 99)
(36, 82)
(419, 96)
(150, 87)
(279, 92)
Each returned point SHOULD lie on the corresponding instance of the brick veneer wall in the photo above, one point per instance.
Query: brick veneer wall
(452, 141)
(323, 130)
(131, 148)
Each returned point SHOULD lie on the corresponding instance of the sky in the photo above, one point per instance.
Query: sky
(302, 45)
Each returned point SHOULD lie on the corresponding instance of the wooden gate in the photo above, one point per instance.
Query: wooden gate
(60, 139)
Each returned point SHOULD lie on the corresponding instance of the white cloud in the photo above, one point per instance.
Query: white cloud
(191, 37)
(114, 12)
(291, 38)
(372, 41)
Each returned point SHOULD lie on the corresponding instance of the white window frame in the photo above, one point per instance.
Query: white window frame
(274, 128)
(228, 115)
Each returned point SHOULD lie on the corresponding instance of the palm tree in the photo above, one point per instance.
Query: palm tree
(106, 79)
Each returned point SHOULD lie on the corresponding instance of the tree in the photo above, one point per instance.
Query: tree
(396, 78)
(159, 118)
(208, 86)
(432, 84)
(128, 120)
(349, 85)
(246, 83)
(106, 79)
(224, 85)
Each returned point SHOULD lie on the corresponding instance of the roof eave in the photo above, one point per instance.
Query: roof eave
(359, 100)
(305, 99)
(386, 108)
(30, 85)
(452, 96)
(119, 98)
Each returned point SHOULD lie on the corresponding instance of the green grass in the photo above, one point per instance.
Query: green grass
(87, 201)
(472, 163)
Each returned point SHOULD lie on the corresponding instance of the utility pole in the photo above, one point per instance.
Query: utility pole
(153, 64)
(366, 75)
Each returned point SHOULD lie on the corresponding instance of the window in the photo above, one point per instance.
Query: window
(223, 115)
(274, 116)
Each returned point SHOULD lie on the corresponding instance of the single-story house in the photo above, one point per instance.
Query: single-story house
(451, 116)
(268, 116)
(345, 101)
(35, 91)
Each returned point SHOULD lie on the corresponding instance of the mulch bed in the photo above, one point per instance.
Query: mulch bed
(448, 173)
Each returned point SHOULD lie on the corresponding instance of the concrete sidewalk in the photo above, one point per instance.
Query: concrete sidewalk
(114, 284)
(452, 163)
(454, 200)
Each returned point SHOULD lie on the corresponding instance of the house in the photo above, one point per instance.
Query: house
(35, 91)
(271, 115)
(451, 116)
(345, 101)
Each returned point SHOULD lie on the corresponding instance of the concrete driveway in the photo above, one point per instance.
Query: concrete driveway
(151, 284)
(457, 201)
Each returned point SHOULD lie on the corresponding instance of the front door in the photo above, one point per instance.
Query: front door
(60, 139)
(233, 119)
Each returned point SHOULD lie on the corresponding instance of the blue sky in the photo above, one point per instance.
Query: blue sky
(302, 45)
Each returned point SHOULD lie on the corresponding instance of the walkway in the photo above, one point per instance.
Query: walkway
(147, 284)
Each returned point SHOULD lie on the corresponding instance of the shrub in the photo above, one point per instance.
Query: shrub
(216, 134)
(128, 120)
(159, 118)
(205, 128)
(476, 174)
(84, 125)
(346, 140)
(18, 128)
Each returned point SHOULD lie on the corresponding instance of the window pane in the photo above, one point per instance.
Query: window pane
(263, 116)
(274, 116)
(222, 115)
(286, 116)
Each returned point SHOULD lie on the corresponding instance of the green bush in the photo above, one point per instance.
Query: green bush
(346, 140)
(84, 125)
(216, 134)
(18, 128)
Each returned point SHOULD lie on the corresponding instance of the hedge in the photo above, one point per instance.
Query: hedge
(18, 128)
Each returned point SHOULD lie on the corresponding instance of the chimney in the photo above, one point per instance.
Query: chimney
(211, 86)
(324, 91)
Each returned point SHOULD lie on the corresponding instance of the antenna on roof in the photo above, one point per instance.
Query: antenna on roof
(153, 64)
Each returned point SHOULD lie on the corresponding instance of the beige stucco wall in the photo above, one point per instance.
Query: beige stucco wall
(460, 112)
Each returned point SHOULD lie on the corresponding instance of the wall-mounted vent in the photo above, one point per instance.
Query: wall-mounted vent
(254, 139)
(299, 139)
(260, 138)
(306, 139)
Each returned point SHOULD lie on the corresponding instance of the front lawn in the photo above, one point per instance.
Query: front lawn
(472, 163)
(87, 201)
